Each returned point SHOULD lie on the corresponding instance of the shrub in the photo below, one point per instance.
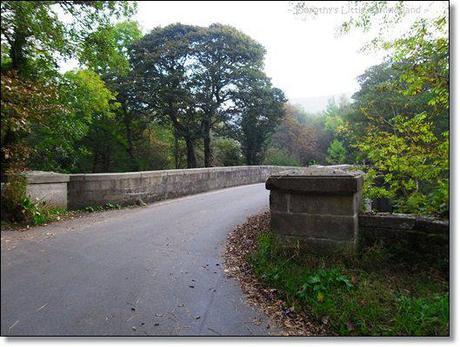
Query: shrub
(17, 207)
(336, 153)
(227, 152)
(13, 197)
(276, 156)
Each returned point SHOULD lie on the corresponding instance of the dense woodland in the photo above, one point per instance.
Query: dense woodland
(185, 96)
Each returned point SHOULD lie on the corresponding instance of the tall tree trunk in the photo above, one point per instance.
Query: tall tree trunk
(191, 157)
(248, 156)
(176, 149)
(129, 137)
(207, 146)
(8, 141)
(17, 53)
(95, 159)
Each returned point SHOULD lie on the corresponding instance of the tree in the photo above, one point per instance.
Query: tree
(161, 61)
(298, 136)
(336, 153)
(24, 104)
(258, 111)
(111, 61)
(35, 37)
(400, 121)
(340, 150)
(227, 152)
(198, 79)
(34, 34)
(106, 50)
(57, 139)
(223, 56)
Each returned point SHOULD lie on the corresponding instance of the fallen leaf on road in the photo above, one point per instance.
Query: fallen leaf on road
(240, 243)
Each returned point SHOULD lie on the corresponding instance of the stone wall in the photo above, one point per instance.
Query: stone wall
(47, 187)
(414, 235)
(316, 207)
(147, 186)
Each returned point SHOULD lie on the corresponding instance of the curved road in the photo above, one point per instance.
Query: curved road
(155, 270)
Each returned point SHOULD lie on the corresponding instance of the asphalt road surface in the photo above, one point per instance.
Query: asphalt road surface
(153, 270)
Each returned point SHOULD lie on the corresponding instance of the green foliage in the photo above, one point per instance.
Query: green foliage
(17, 207)
(428, 316)
(155, 149)
(336, 153)
(13, 194)
(334, 113)
(88, 95)
(99, 208)
(57, 139)
(412, 161)
(227, 152)
(37, 213)
(34, 35)
(45, 114)
(195, 73)
(106, 50)
(25, 104)
(356, 296)
(400, 122)
(322, 283)
(276, 156)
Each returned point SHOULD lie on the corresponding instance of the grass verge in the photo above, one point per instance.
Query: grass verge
(378, 293)
(36, 213)
(368, 295)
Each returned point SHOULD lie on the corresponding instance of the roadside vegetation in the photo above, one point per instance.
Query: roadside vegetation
(184, 96)
(374, 295)
(379, 292)
(19, 211)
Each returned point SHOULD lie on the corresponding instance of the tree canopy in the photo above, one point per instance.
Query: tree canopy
(197, 78)
(191, 96)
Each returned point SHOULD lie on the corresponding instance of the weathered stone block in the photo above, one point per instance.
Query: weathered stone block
(52, 194)
(431, 226)
(316, 207)
(47, 187)
(318, 246)
(387, 221)
(338, 228)
(315, 203)
(279, 201)
(317, 180)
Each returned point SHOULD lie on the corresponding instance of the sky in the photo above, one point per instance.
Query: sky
(304, 57)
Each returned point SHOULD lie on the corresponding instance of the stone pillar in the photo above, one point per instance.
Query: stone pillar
(47, 187)
(316, 208)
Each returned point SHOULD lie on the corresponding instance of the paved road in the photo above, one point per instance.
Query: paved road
(155, 270)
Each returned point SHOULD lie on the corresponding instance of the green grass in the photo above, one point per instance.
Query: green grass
(105, 207)
(371, 295)
(36, 213)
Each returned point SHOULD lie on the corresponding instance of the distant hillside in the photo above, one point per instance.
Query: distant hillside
(316, 104)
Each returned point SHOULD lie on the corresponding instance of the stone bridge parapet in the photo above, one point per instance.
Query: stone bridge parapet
(76, 191)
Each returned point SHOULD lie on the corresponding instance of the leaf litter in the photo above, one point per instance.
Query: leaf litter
(240, 243)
